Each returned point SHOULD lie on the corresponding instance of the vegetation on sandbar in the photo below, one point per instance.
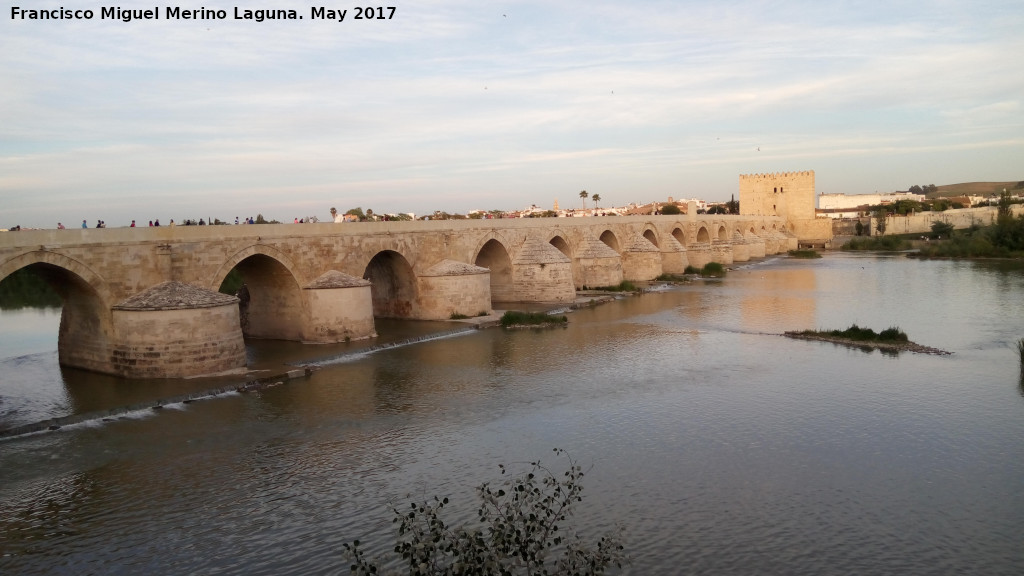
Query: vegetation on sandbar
(710, 270)
(858, 334)
(891, 339)
(516, 318)
(804, 254)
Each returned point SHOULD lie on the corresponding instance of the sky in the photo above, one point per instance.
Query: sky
(470, 105)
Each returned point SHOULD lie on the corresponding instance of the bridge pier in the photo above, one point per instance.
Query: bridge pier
(673, 256)
(699, 254)
(451, 287)
(175, 330)
(597, 265)
(641, 260)
(740, 249)
(340, 308)
(721, 252)
(541, 273)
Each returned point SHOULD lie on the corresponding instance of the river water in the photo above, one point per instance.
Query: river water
(717, 445)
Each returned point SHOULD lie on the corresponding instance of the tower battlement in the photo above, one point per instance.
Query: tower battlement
(803, 173)
(786, 194)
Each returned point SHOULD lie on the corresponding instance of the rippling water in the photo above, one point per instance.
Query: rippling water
(720, 447)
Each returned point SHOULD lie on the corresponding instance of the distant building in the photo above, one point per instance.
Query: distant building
(852, 206)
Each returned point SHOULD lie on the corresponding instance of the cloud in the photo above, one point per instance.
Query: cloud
(451, 102)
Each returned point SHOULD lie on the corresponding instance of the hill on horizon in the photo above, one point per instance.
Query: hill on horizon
(974, 189)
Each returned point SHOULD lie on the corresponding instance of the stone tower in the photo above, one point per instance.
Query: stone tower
(786, 194)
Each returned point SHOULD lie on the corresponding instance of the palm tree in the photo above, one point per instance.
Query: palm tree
(583, 196)
(596, 198)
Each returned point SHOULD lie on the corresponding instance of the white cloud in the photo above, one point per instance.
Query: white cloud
(452, 101)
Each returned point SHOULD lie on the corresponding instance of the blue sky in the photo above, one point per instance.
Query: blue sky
(462, 105)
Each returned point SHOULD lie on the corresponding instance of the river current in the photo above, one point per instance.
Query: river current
(719, 446)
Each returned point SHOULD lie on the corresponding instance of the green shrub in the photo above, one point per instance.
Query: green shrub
(457, 316)
(940, 228)
(879, 243)
(892, 334)
(691, 270)
(713, 270)
(517, 318)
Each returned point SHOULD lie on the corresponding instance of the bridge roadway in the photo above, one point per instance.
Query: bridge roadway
(143, 302)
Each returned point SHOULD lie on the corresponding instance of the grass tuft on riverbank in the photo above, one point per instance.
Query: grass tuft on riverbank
(808, 254)
(514, 318)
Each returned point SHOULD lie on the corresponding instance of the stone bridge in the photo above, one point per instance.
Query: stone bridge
(144, 302)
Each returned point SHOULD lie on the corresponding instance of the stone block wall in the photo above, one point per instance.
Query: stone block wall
(339, 314)
(177, 343)
(544, 282)
(466, 294)
(921, 222)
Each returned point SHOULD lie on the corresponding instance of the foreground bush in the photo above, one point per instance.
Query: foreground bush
(521, 530)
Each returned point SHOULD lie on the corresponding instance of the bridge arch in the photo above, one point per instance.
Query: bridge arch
(652, 237)
(703, 236)
(494, 256)
(86, 335)
(271, 304)
(393, 285)
(723, 233)
(611, 240)
(559, 241)
(679, 235)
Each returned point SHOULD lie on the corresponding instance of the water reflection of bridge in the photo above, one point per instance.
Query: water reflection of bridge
(143, 301)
